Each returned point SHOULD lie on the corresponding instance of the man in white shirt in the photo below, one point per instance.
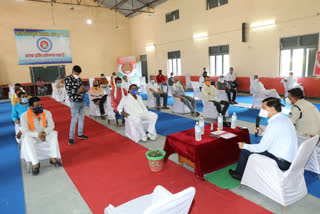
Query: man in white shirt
(209, 93)
(279, 141)
(231, 78)
(154, 90)
(37, 126)
(201, 79)
(290, 83)
(257, 89)
(132, 107)
(125, 83)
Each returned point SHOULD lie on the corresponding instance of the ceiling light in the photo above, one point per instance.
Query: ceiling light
(263, 24)
(200, 35)
(89, 21)
(150, 47)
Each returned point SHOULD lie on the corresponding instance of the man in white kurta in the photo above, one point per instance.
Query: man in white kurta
(257, 89)
(290, 83)
(125, 83)
(133, 109)
(38, 128)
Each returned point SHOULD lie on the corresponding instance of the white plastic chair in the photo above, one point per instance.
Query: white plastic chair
(143, 85)
(188, 81)
(54, 90)
(313, 164)
(179, 107)
(110, 111)
(210, 111)
(161, 201)
(91, 82)
(222, 95)
(152, 101)
(284, 187)
(196, 90)
(11, 90)
(94, 109)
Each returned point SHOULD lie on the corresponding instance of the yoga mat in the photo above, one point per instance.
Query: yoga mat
(222, 179)
(11, 185)
(313, 183)
(108, 168)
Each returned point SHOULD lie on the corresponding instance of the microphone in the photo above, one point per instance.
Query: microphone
(257, 126)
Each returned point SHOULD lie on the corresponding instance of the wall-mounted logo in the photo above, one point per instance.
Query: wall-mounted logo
(44, 44)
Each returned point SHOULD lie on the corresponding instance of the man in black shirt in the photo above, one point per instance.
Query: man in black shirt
(76, 91)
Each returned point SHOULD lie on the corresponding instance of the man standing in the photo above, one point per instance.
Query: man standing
(279, 141)
(155, 91)
(16, 113)
(76, 90)
(209, 93)
(231, 78)
(37, 126)
(161, 80)
(41, 85)
(304, 115)
(201, 79)
(179, 91)
(116, 95)
(222, 84)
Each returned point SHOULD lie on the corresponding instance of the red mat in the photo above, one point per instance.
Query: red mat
(109, 168)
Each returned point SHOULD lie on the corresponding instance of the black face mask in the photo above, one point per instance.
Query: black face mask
(96, 85)
(38, 110)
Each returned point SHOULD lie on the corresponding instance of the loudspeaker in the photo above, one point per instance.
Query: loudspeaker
(244, 35)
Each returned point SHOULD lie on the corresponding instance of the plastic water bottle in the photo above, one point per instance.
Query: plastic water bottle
(211, 127)
(197, 132)
(234, 121)
(201, 123)
(220, 122)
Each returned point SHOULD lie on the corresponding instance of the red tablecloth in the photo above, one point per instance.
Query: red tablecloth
(210, 153)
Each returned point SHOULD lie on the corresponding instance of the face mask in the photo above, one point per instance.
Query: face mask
(152, 81)
(257, 80)
(38, 110)
(95, 85)
(119, 85)
(126, 80)
(263, 113)
(291, 75)
(24, 100)
(288, 101)
(76, 76)
(208, 83)
(221, 79)
(134, 92)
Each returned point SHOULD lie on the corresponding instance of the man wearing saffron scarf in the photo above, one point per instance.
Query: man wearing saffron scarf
(116, 95)
(97, 97)
(37, 127)
(16, 113)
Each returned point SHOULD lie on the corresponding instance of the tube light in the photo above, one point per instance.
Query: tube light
(263, 24)
(89, 21)
(200, 35)
(150, 47)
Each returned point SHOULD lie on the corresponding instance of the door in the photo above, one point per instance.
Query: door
(144, 66)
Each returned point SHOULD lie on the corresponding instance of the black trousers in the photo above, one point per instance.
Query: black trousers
(244, 156)
(101, 104)
(218, 106)
(234, 94)
(165, 99)
(234, 84)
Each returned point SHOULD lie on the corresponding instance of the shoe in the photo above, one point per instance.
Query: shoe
(83, 137)
(56, 164)
(35, 171)
(158, 109)
(165, 107)
(71, 141)
(234, 102)
(196, 114)
(235, 175)
(103, 117)
(152, 137)
(144, 138)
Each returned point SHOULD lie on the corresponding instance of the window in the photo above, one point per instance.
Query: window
(174, 63)
(172, 16)
(215, 3)
(219, 60)
(297, 54)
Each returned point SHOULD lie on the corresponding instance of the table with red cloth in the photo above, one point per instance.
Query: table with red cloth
(210, 153)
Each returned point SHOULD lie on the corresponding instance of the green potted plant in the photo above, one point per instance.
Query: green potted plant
(156, 159)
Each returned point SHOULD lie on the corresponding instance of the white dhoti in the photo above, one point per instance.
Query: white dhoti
(33, 149)
(18, 129)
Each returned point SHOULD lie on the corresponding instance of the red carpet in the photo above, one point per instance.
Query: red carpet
(109, 168)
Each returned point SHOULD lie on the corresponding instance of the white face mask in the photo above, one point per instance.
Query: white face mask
(290, 75)
(288, 101)
(257, 80)
(263, 113)
(152, 81)
(221, 79)
(76, 76)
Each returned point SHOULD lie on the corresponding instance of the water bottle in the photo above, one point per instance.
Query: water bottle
(201, 123)
(211, 127)
(197, 132)
(220, 122)
(234, 121)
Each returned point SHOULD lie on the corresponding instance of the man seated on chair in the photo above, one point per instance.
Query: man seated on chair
(97, 97)
(113, 80)
(155, 90)
(279, 141)
(42, 89)
(291, 82)
(258, 89)
(15, 98)
(209, 93)
(231, 78)
(116, 95)
(132, 107)
(125, 83)
(16, 113)
(171, 80)
(104, 84)
(179, 91)
(303, 114)
(222, 84)
(37, 126)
